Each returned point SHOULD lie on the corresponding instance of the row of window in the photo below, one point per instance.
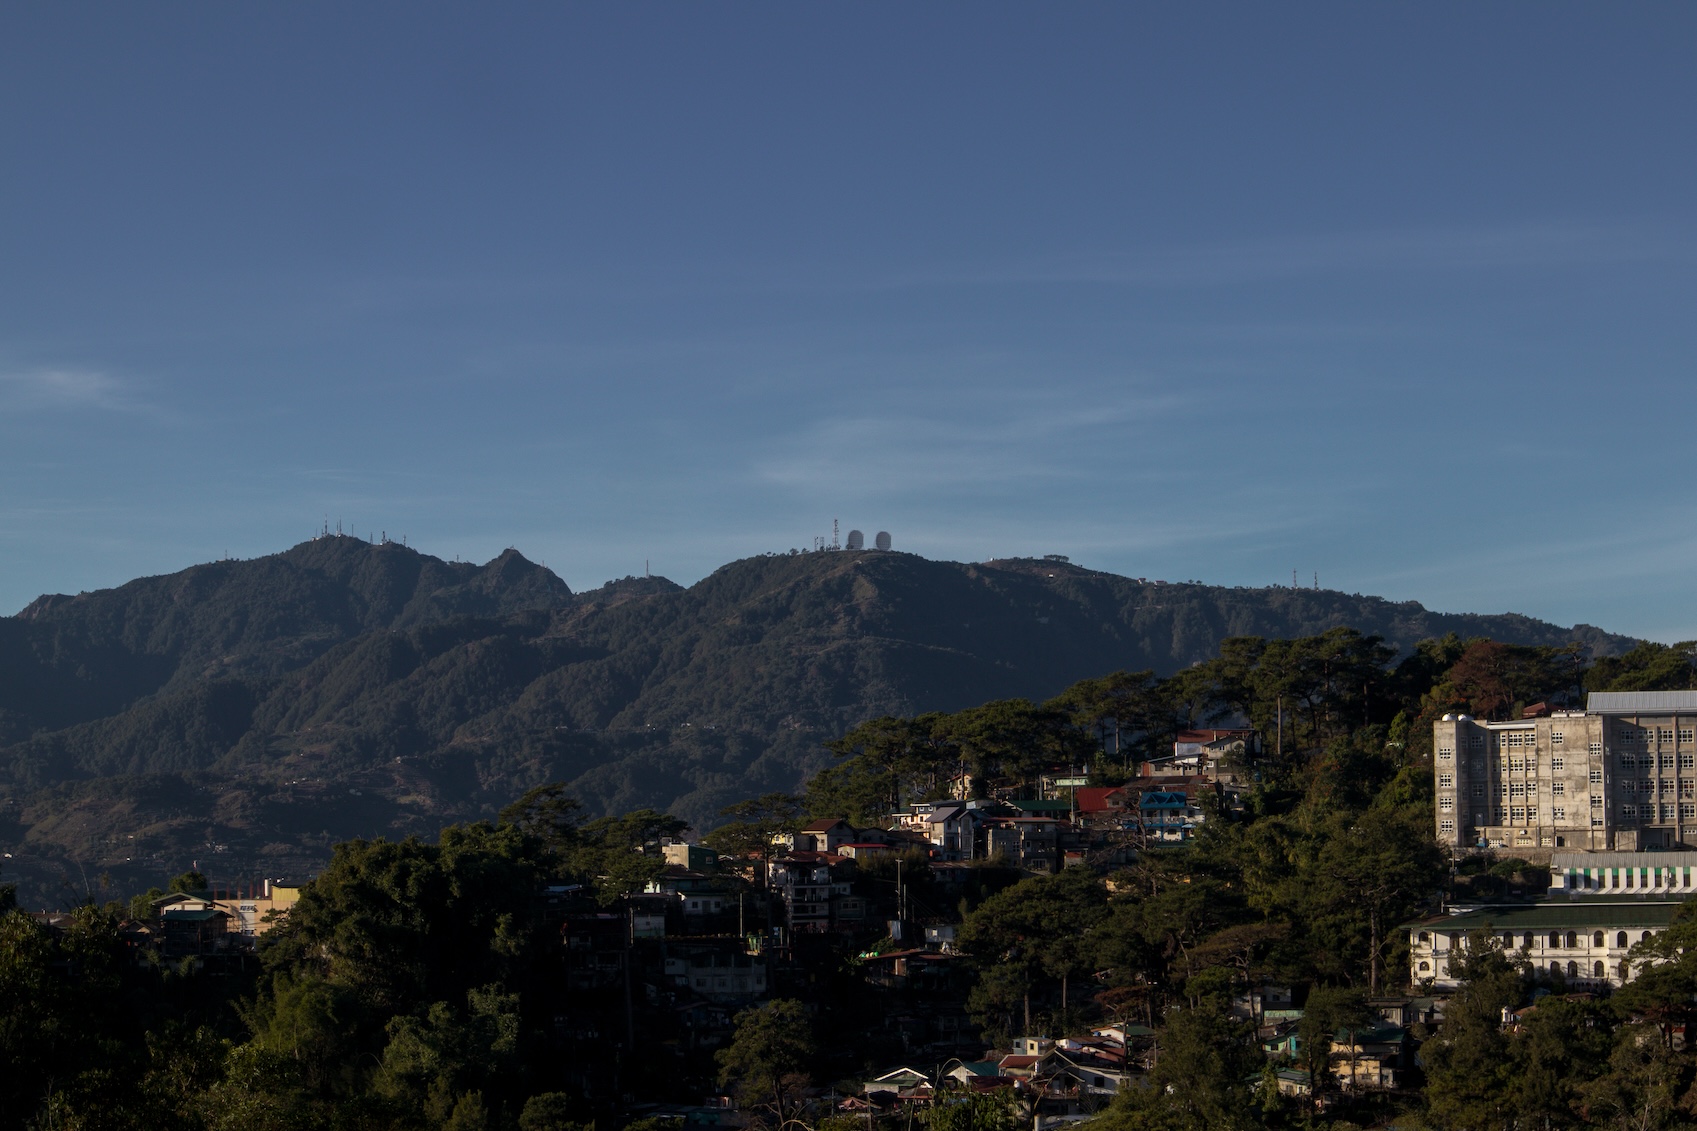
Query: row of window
(1687, 810)
(1686, 788)
(1628, 877)
(1629, 735)
(1599, 969)
(1630, 761)
(1559, 940)
(1667, 786)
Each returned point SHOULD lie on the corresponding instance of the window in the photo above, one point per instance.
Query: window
(1685, 734)
(1557, 764)
(1596, 777)
(1447, 804)
(1425, 966)
(1502, 789)
(1597, 938)
(1558, 813)
(1555, 940)
(1555, 738)
(1478, 790)
(1517, 815)
(1518, 789)
(1627, 761)
(1664, 734)
(1646, 936)
(1516, 765)
(1596, 749)
(1425, 936)
(1667, 786)
(1688, 788)
(1597, 969)
(1620, 939)
(1532, 815)
(1445, 781)
(1573, 969)
(1445, 753)
(1508, 940)
(1478, 819)
(1596, 802)
(1446, 827)
(1558, 789)
(1629, 812)
(1688, 761)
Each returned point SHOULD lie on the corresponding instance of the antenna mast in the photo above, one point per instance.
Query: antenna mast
(834, 544)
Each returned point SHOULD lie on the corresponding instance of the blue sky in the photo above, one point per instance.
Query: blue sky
(1402, 294)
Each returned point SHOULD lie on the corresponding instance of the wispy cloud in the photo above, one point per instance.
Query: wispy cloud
(43, 390)
(1390, 250)
(906, 454)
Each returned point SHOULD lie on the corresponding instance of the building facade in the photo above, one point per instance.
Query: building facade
(1619, 776)
(1587, 942)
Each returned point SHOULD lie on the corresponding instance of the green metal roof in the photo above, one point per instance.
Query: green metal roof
(1043, 806)
(195, 916)
(1588, 914)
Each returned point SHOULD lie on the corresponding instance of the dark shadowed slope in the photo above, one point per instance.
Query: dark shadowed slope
(65, 660)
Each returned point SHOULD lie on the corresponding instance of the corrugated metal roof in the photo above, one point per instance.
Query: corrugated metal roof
(1591, 861)
(1641, 702)
(1580, 914)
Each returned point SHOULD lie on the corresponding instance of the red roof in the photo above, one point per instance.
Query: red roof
(1094, 798)
(1210, 735)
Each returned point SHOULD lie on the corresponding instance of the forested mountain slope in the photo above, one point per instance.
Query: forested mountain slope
(343, 688)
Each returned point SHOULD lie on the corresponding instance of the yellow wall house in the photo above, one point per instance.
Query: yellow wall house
(249, 907)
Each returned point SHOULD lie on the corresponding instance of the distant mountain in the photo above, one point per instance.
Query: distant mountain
(65, 660)
(258, 710)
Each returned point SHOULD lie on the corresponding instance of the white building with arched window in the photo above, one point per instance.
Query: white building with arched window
(1584, 941)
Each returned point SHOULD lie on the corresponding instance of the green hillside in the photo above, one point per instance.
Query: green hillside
(259, 710)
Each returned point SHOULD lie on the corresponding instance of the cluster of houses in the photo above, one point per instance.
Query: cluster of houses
(1056, 1080)
(1067, 1079)
(677, 961)
(208, 924)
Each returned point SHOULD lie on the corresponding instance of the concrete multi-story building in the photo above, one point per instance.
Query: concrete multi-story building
(1619, 776)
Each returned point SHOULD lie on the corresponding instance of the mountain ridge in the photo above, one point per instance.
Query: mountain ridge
(346, 688)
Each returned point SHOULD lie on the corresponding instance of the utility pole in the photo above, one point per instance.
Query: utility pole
(630, 1023)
